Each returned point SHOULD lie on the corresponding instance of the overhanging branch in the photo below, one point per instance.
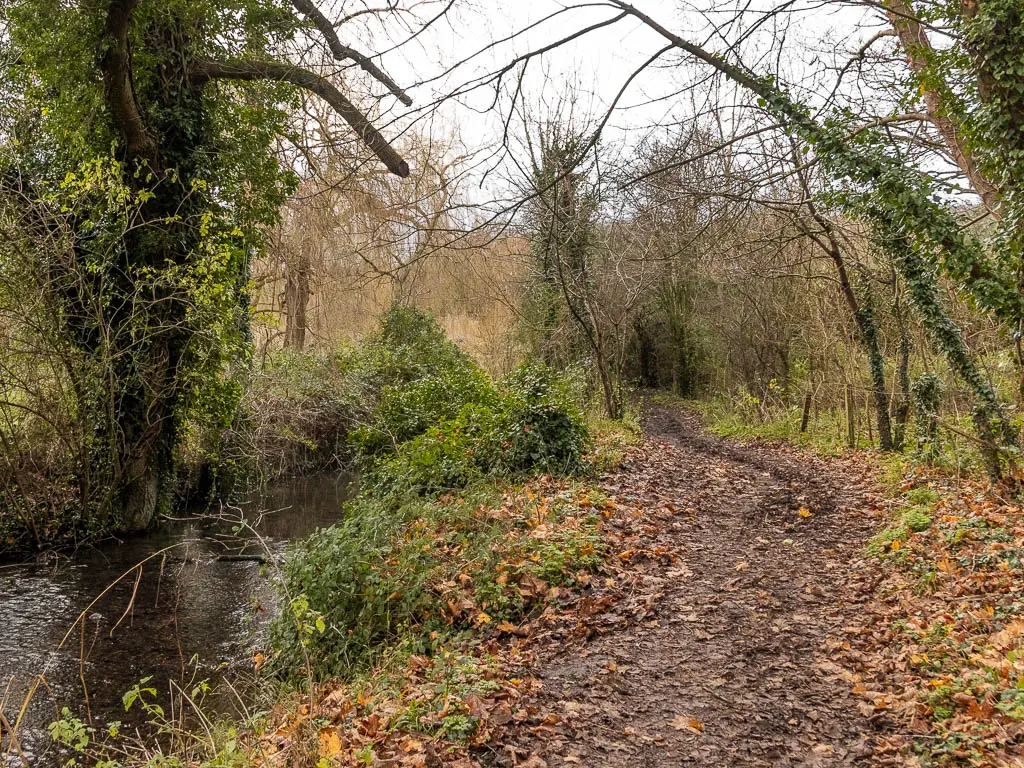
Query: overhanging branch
(314, 83)
(342, 52)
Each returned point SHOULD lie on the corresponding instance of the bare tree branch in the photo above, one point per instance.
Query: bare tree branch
(342, 52)
(321, 86)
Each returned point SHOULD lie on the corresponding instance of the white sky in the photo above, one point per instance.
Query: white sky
(818, 33)
(600, 62)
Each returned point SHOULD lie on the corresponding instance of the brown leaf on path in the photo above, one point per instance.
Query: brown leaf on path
(501, 714)
(475, 705)
(686, 723)
(532, 586)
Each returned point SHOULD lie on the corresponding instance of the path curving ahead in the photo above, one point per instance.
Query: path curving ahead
(728, 664)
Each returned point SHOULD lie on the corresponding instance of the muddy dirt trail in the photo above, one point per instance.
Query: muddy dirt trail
(726, 663)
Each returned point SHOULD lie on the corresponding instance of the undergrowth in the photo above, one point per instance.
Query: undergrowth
(742, 418)
(439, 540)
(383, 577)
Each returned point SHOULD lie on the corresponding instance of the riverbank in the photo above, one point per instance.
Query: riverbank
(467, 569)
(437, 442)
(180, 606)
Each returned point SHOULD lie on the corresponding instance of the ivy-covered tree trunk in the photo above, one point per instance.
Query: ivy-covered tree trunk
(876, 362)
(149, 330)
(902, 413)
(564, 249)
(863, 314)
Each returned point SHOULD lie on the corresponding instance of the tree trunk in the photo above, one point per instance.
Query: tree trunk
(144, 324)
(867, 331)
(595, 334)
(867, 328)
(296, 300)
(140, 497)
(903, 378)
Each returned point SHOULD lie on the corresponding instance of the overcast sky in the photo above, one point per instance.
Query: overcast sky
(598, 64)
(471, 44)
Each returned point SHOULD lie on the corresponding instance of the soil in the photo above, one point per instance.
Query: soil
(716, 653)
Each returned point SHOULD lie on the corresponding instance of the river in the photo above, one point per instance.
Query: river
(182, 604)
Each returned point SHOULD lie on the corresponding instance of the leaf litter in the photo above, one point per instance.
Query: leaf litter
(739, 617)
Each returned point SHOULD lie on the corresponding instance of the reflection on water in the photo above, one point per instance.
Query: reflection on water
(192, 610)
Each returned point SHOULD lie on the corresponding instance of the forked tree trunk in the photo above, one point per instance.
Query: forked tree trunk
(148, 330)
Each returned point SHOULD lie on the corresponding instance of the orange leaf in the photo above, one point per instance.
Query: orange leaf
(684, 723)
(330, 742)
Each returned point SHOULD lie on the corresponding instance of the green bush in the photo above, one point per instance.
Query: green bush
(386, 576)
(529, 423)
(433, 423)
(449, 455)
(410, 410)
(436, 421)
(336, 582)
(416, 413)
(411, 376)
(544, 425)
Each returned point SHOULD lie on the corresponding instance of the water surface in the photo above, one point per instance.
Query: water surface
(185, 603)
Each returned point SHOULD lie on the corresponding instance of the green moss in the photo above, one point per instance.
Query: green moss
(881, 545)
(921, 496)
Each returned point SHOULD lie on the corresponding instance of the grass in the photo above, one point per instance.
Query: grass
(825, 433)
(612, 439)
(742, 419)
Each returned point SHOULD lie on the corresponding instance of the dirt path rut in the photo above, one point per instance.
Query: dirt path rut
(729, 666)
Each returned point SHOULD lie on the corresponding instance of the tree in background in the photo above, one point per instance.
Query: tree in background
(571, 254)
(357, 229)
